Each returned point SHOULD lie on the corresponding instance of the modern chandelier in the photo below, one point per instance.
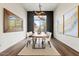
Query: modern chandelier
(40, 12)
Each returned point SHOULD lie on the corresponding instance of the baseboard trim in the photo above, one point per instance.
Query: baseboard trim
(14, 50)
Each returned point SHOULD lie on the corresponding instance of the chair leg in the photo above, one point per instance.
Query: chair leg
(43, 44)
(49, 44)
(27, 44)
(35, 41)
(33, 45)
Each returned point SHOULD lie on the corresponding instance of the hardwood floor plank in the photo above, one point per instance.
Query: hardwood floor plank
(63, 49)
(14, 50)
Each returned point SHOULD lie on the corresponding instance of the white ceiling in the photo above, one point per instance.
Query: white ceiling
(35, 6)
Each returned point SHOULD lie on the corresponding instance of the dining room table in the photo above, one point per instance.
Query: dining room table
(39, 37)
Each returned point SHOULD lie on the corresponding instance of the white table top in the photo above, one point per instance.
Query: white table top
(40, 35)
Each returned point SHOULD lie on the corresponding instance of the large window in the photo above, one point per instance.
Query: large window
(40, 23)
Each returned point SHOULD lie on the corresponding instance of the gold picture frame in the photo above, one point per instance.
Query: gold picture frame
(71, 22)
(11, 22)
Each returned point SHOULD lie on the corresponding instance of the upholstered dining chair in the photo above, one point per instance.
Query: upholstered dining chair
(29, 38)
(30, 33)
(48, 40)
(42, 32)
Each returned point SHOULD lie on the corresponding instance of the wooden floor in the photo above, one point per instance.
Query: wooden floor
(63, 49)
(14, 50)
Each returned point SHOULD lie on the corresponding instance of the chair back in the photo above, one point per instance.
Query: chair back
(30, 33)
(27, 34)
(35, 33)
(49, 34)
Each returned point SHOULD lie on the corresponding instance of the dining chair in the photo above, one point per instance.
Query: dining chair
(30, 33)
(35, 33)
(35, 39)
(48, 40)
(29, 38)
(42, 33)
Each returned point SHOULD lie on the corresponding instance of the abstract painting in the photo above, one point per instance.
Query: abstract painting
(40, 23)
(71, 22)
(11, 22)
(60, 25)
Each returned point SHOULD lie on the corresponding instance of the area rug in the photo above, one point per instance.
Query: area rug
(48, 51)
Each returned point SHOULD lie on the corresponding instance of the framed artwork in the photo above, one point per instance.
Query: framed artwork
(60, 25)
(71, 22)
(11, 22)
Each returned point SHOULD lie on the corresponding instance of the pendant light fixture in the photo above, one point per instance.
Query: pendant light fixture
(40, 12)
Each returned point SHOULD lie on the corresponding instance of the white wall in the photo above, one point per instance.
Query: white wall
(9, 39)
(73, 42)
